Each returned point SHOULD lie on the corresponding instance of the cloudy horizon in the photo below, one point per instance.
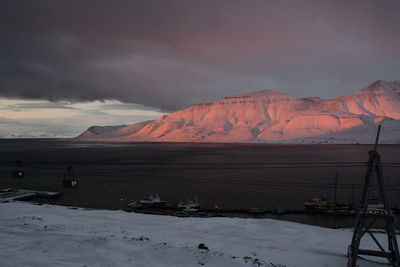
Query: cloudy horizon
(65, 66)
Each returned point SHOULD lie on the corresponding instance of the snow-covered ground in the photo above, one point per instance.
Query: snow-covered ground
(33, 235)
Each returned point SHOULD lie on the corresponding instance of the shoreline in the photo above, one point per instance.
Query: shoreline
(326, 219)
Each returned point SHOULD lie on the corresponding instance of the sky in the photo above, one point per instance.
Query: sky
(67, 65)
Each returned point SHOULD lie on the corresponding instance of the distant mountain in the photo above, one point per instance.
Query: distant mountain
(272, 117)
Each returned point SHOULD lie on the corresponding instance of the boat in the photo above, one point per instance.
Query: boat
(319, 203)
(149, 201)
(255, 211)
(189, 205)
(323, 203)
(190, 210)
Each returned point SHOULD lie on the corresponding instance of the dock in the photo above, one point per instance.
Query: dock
(12, 194)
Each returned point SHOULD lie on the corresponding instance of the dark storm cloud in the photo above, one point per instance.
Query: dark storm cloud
(170, 54)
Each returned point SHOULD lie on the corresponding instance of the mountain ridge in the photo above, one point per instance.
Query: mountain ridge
(268, 116)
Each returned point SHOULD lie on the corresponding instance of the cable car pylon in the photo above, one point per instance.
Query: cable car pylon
(18, 172)
(69, 181)
(368, 215)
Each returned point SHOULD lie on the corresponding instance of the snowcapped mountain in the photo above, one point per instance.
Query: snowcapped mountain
(272, 117)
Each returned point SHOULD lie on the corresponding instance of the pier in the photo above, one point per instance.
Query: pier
(12, 194)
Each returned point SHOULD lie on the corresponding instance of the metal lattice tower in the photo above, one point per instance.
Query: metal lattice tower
(370, 214)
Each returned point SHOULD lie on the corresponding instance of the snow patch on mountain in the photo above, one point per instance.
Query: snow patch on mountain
(272, 117)
(99, 130)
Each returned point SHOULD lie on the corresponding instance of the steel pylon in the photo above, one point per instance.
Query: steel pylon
(369, 214)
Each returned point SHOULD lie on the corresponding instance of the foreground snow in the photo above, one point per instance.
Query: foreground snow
(59, 236)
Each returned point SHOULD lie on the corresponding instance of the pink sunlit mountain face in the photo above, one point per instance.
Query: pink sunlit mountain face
(272, 117)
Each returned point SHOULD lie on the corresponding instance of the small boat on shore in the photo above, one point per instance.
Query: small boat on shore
(149, 201)
(190, 210)
(189, 205)
(323, 203)
(256, 211)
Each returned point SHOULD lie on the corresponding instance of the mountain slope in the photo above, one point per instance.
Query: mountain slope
(269, 116)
